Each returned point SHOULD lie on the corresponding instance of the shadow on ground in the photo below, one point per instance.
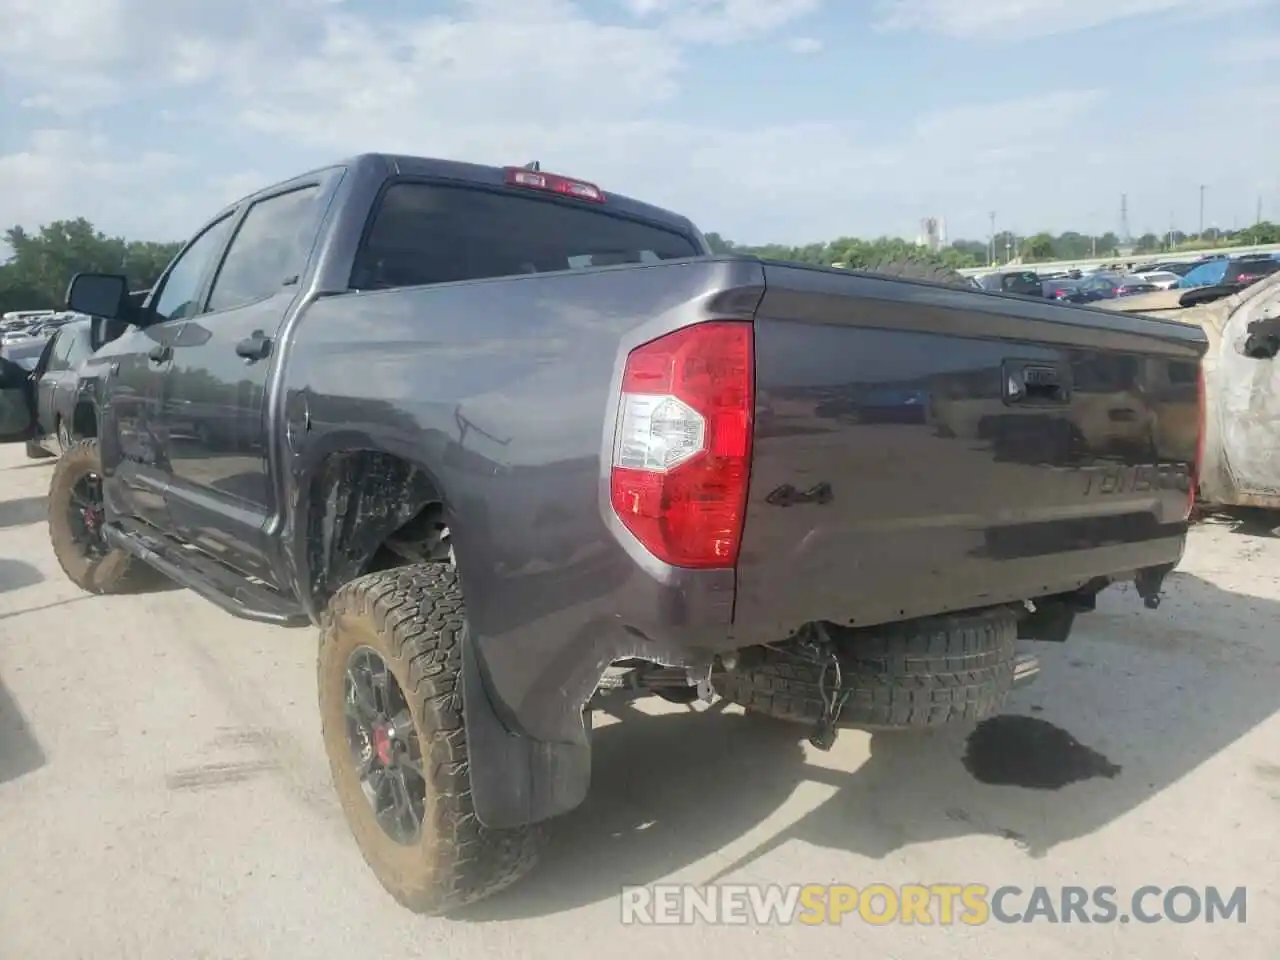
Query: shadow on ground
(24, 510)
(16, 574)
(1248, 521)
(20, 753)
(1133, 702)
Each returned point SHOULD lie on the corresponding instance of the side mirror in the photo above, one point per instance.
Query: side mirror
(103, 295)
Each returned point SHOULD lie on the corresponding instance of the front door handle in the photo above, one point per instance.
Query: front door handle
(256, 346)
(160, 353)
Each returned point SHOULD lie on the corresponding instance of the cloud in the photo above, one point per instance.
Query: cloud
(1256, 49)
(720, 21)
(248, 93)
(804, 45)
(77, 55)
(65, 173)
(1012, 20)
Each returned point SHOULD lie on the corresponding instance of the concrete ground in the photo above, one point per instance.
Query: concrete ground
(164, 794)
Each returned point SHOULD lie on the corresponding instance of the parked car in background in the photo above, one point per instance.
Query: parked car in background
(1023, 282)
(16, 332)
(25, 353)
(1160, 279)
(1238, 272)
(58, 384)
(1060, 289)
(1107, 286)
(1176, 267)
(15, 318)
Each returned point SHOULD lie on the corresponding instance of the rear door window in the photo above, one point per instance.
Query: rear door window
(425, 233)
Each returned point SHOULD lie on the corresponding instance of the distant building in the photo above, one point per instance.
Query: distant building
(933, 233)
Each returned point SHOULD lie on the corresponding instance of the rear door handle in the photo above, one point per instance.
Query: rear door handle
(256, 346)
(160, 353)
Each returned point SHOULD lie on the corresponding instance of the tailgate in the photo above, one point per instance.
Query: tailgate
(920, 449)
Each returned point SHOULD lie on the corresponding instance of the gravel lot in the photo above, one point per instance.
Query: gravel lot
(164, 794)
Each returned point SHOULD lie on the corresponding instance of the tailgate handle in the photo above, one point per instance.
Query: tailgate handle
(1034, 383)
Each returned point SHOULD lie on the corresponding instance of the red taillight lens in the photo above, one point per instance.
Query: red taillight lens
(682, 454)
(1200, 440)
(553, 183)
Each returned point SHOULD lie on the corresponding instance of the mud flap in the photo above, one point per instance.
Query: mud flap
(516, 780)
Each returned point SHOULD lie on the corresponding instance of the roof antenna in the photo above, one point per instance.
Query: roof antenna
(533, 165)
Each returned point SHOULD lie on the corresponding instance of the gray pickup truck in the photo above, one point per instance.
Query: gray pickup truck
(511, 441)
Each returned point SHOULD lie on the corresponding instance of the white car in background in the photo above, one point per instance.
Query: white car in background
(1161, 279)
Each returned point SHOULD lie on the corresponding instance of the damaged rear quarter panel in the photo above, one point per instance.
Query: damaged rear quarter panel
(495, 396)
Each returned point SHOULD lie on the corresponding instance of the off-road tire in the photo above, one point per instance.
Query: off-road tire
(916, 675)
(414, 618)
(116, 571)
(916, 268)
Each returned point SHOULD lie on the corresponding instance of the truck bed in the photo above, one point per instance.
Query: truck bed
(894, 477)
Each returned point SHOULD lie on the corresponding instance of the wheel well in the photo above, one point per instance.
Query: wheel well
(370, 511)
(84, 421)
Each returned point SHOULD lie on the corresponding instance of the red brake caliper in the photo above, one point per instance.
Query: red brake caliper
(382, 744)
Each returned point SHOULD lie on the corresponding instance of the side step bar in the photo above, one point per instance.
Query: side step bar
(205, 576)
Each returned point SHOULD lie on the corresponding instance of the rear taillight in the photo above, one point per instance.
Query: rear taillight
(682, 454)
(1200, 441)
(553, 183)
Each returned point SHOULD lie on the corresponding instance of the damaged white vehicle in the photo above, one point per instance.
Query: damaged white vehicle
(1241, 462)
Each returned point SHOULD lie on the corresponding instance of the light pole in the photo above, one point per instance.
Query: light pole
(1202, 211)
(991, 257)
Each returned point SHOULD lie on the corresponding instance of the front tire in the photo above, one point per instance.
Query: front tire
(76, 520)
(402, 631)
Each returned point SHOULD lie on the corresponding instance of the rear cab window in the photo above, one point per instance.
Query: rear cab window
(426, 233)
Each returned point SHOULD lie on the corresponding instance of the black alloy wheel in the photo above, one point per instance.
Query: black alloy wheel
(384, 746)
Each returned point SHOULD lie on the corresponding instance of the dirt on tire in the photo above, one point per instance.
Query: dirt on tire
(414, 618)
(114, 571)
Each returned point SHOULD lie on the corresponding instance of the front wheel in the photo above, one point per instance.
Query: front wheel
(77, 517)
(390, 690)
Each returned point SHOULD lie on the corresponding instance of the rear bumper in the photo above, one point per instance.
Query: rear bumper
(900, 579)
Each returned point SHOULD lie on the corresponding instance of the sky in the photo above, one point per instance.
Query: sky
(783, 121)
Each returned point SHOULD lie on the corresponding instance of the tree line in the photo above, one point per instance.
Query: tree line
(1005, 246)
(42, 263)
